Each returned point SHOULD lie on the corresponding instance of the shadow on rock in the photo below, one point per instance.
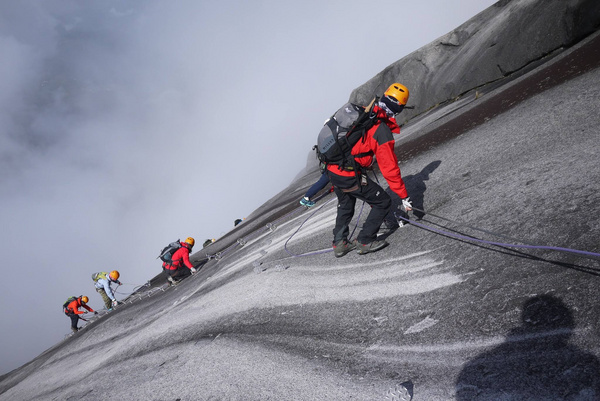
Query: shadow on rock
(535, 362)
(416, 187)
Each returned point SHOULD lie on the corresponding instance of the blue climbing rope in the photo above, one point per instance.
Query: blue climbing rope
(468, 238)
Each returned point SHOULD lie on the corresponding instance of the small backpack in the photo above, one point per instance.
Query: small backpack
(98, 276)
(166, 255)
(71, 299)
(342, 131)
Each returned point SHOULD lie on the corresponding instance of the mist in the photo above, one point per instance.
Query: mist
(126, 125)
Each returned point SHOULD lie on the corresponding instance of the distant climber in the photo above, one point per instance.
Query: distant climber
(72, 310)
(180, 258)
(102, 282)
(314, 189)
(351, 182)
(237, 221)
(207, 242)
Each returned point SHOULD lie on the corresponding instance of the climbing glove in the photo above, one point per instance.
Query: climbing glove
(406, 205)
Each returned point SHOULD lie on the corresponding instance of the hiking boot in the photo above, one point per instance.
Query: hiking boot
(172, 281)
(370, 247)
(74, 330)
(391, 225)
(306, 202)
(342, 247)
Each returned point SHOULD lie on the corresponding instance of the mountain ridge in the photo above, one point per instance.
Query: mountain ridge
(260, 322)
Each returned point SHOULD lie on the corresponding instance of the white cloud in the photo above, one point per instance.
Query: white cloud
(124, 125)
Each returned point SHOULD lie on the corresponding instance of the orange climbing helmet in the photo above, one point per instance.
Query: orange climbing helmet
(398, 93)
(84, 299)
(114, 275)
(190, 241)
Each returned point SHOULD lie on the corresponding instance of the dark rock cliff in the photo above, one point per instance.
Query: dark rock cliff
(510, 37)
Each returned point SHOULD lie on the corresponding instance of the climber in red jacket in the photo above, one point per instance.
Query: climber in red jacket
(180, 258)
(72, 310)
(350, 185)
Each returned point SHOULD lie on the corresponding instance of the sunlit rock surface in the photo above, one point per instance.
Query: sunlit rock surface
(490, 294)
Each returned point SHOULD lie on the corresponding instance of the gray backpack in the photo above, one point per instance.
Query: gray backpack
(341, 132)
(166, 255)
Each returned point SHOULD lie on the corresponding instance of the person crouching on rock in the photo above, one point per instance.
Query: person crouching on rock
(102, 282)
(181, 257)
(72, 310)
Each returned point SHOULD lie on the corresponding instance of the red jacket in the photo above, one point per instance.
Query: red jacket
(379, 142)
(180, 257)
(74, 306)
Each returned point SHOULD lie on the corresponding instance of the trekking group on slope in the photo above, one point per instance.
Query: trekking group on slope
(347, 147)
(102, 282)
(175, 257)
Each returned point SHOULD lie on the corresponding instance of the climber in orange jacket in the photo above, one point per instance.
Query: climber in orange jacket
(72, 310)
(349, 185)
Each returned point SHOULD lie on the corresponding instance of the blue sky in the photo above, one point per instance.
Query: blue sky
(128, 124)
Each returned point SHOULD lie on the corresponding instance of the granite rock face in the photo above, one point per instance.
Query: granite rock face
(272, 314)
(506, 38)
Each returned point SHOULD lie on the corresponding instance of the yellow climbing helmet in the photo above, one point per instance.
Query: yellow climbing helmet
(190, 240)
(114, 275)
(397, 93)
(84, 299)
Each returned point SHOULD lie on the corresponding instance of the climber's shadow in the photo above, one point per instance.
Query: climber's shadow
(416, 187)
(535, 361)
